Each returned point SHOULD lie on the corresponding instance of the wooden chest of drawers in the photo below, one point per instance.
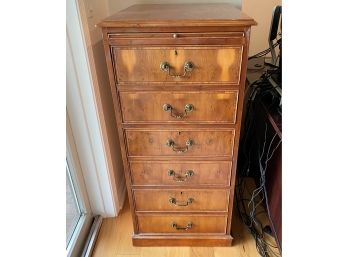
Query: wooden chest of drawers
(177, 77)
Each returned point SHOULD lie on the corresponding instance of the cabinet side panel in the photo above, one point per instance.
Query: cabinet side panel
(238, 124)
(112, 79)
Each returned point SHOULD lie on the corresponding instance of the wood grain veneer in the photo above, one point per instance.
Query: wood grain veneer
(207, 224)
(207, 106)
(204, 143)
(202, 199)
(204, 173)
(159, 146)
(178, 15)
(210, 64)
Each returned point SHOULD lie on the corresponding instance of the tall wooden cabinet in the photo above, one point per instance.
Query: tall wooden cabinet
(177, 74)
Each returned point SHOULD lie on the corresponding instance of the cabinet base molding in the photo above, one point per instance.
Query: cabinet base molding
(144, 240)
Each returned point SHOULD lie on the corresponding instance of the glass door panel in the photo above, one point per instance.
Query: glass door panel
(73, 211)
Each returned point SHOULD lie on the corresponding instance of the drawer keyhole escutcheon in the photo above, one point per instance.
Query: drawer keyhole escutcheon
(188, 226)
(189, 200)
(187, 109)
(180, 178)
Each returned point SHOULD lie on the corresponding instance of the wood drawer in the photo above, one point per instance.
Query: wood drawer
(183, 173)
(181, 199)
(214, 142)
(199, 224)
(179, 106)
(210, 64)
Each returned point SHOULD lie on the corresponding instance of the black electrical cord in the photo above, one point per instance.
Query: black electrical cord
(253, 89)
(248, 209)
(250, 217)
(266, 51)
(265, 191)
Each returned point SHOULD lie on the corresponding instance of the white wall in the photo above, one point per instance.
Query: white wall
(261, 11)
(95, 10)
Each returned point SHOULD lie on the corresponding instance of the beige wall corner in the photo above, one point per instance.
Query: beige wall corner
(91, 12)
(261, 11)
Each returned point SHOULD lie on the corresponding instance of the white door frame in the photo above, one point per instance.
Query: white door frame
(84, 119)
(83, 226)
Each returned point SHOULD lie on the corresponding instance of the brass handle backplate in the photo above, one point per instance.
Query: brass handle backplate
(188, 108)
(179, 149)
(189, 200)
(188, 67)
(179, 178)
(188, 226)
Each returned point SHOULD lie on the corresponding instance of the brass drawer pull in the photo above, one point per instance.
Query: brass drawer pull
(188, 108)
(178, 149)
(172, 200)
(188, 226)
(188, 67)
(179, 178)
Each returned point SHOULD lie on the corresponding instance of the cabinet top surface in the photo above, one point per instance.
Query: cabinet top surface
(171, 15)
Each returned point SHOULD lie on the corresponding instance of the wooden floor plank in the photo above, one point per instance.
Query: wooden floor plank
(201, 252)
(159, 251)
(105, 245)
(126, 255)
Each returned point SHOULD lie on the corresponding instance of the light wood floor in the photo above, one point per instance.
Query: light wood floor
(114, 240)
